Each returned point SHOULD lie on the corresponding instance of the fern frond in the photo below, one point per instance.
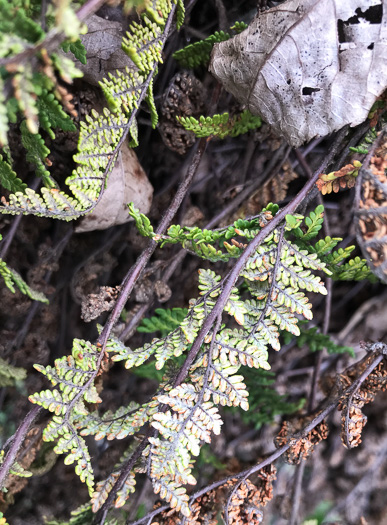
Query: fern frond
(76, 48)
(265, 402)
(37, 153)
(74, 377)
(355, 269)
(369, 139)
(221, 126)
(164, 321)
(26, 97)
(343, 178)
(143, 45)
(8, 178)
(51, 114)
(101, 135)
(12, 279)
(103, 488)
(317, 342)
(9, 374)
(198, 54)
(125, 421)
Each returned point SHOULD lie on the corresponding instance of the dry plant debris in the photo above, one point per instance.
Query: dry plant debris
(353, 420)
(307, 87)
(185, 97)
(303, 447)
(372, 212)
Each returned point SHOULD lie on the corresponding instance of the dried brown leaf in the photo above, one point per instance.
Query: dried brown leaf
(308, 67)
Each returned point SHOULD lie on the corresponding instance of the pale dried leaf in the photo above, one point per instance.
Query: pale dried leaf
(127, 183)
(308, 67)
(103, 49)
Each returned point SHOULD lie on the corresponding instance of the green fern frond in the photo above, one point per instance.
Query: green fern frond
(143, 45)
(10, 374)
(198, 54)
(180, 13)
(83, 515)
(76, 48)
(264, 400)
(51, 114)
(142, 222)
(354, 270)
(221, 126)
(101, 135)
(12, 279)
(316, 342)
(104, 487)
(313, 225)
(37, 153)
(126, 421)
(71, 375)
(8, 178)
(16, 20)
(363, 147)
(164, 321)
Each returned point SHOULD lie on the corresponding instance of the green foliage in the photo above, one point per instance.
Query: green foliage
(270, 298)
(264, 400)
(37, 154)
(198, 54)
(76, 48)
(369, 139)
(12, 279)
(15, 470)
(8, 178)
(313, 224)
(71, 375)
(164, 321)
(3, 519)
(201, 242)
(101, 136)
(51, 114)
(315, 341)
(221, 126)
(83, 515)
(10, 374)
(142, 222)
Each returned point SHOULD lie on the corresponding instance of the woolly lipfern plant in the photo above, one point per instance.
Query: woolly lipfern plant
(101, 136)
(270, 298)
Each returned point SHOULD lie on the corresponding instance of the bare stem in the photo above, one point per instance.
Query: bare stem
(17, 441)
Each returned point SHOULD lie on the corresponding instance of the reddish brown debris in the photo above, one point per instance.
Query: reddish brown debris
(303, 446)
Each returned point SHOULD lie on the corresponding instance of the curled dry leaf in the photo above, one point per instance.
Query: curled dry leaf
(127, 183)
(343, 178)
(308, 67)
(303, 446)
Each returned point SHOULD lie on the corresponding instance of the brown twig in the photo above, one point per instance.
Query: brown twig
(17, 441)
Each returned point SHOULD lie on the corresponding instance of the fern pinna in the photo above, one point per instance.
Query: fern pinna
(101, 135)
(270, 298)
